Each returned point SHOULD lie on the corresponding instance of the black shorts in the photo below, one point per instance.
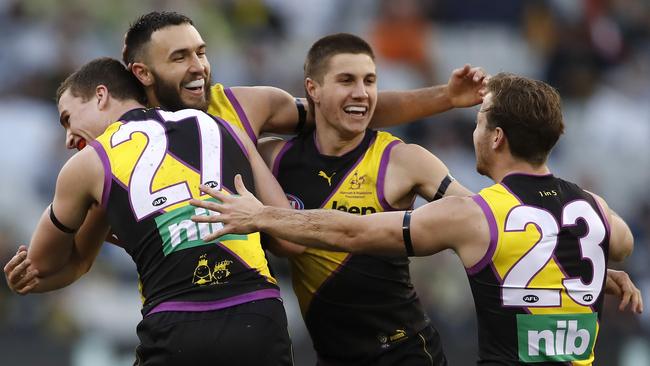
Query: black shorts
(423, 349)
(253, 333)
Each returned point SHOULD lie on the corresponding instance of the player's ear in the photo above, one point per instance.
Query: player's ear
(312, 89)
(142, 72)
(498, 138)
(101, 93)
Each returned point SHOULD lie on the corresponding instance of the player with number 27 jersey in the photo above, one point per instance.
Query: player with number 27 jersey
(540, 284)
(153, 163)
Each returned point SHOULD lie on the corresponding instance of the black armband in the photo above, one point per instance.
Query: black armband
(406, 233)
(302, 116)
(442, 189)
(58, 223)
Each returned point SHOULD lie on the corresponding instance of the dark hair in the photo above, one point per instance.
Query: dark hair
(325, 48)
(139, 33)
(103, 71)
(530, 114)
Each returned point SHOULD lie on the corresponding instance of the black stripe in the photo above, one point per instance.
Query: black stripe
(442, 189)
(406, 233)
(302, 116)
(58, 223)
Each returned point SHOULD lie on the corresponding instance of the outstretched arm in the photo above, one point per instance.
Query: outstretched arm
(379, 233)
(271, 109)
(465, 88)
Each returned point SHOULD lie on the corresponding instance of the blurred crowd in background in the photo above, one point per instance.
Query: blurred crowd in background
(596, 52)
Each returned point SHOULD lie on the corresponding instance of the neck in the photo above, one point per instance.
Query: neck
(517, 166)
(151, 97)
(330, 141)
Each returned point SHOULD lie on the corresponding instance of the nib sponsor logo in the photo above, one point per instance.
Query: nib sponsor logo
(556, 338)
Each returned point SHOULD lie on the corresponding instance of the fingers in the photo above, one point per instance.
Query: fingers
(217, 234)
(213, 193)
(625, 300)
(20, 256)
(20, 277)
(462, 72)
(239, 185)
(212, 206)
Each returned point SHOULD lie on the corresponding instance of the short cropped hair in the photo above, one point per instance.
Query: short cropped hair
(103, 71)
(139, 33)
(530, 114)
(327, 47)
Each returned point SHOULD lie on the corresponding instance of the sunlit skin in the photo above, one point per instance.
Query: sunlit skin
(177, 72)
(79, 119)
(481, 139)
(345, 101)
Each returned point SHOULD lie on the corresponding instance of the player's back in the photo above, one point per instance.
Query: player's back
(539, 289)
(154, 162)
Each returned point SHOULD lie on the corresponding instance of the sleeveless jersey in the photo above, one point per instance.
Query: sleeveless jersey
(224, 105)
(354, 306)
(539, 289)
(153, 163)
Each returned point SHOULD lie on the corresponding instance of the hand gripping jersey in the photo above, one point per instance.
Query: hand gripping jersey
(153, 163)
(354, 306)
(223, 104)
(539, 289)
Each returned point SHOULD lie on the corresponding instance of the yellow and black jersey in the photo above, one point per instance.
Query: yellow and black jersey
(153, 163)
(539, 289)
(354, 306)
(224, 104)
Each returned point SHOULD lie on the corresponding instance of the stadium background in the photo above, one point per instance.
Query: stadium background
(596, 52)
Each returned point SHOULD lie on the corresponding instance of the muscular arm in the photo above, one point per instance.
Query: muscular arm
(271, 109)
(50, 248)
(464, 89)
(412, 170)
(455, 221)
(621, 240)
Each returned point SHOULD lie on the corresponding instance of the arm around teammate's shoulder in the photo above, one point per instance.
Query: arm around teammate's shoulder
(268, 109)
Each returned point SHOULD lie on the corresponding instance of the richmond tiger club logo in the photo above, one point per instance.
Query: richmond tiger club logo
(295, 202)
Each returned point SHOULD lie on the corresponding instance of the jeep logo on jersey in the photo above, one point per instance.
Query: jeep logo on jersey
(159, 201)
(556, 337)
(354, 209)
(531, 299)
(295, 202)
(179, 232)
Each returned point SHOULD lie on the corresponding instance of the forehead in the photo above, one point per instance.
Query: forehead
(487, 102)
(350, 63)
(166, 40)
(68, 101)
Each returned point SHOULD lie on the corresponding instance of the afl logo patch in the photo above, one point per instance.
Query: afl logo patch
(531, 299)
(295, 202)
(159, 201)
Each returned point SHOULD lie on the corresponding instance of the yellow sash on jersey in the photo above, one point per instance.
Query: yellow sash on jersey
(360, 192)
(223, 104)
